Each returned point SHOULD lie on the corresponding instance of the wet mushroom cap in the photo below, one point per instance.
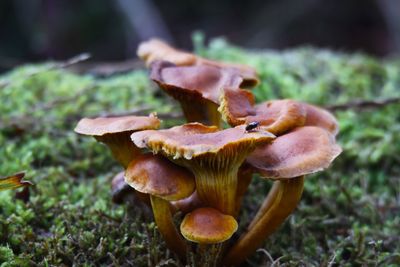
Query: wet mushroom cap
(156, 175)
(194, 139)
(109, 125)
(208, 226)
(305, 150)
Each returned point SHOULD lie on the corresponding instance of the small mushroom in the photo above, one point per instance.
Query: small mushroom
(115, 133)
(208, 226)
(164, 182)
(287, 159)
(213, 156)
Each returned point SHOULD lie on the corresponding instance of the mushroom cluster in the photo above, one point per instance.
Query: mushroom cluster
(199, 172)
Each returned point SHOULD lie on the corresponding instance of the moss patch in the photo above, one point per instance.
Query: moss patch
(349, 215)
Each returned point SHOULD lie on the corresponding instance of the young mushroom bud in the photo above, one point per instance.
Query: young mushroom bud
(208, 226)
(115, 133)
(213, 156)
(164, 182)
(291, 156)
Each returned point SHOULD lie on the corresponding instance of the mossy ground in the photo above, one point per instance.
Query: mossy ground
(349, 215)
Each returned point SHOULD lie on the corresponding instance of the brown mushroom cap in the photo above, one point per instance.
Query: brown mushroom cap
(111, 125)
(204, 82)
(155, 175)
(194, 140)
(305, 150)
(276, 116)
(208, 226)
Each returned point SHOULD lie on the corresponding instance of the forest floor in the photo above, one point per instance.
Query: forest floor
(349, 215)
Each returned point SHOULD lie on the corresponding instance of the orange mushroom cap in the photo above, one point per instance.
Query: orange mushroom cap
(276, 116)
(208, 226)
(155, 175)
(115, 133)
(194, 139)
(305, 150)
(112, 125)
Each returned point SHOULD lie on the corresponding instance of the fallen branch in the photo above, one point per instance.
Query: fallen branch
(364, 104)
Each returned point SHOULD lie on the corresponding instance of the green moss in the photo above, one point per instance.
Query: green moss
(349, 215)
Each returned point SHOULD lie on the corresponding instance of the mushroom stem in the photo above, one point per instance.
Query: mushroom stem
(244, 179)
(286, 200)
(122, 148)
(217, 189)
(268, 201)
(167, 228)
(206, 113)
(210, 254)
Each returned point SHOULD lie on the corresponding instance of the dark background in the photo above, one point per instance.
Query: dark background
(33, 30)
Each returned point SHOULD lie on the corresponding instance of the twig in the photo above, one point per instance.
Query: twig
(364, 104)
(266, 253)
(53, 66)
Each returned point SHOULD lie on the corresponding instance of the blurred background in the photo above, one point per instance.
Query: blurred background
(110, 30)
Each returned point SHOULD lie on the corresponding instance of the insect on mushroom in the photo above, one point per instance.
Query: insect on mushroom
(250, 127)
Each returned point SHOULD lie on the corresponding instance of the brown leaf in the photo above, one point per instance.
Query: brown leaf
(14, 181)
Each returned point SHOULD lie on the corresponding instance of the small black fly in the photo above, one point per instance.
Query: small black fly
(252, 125)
